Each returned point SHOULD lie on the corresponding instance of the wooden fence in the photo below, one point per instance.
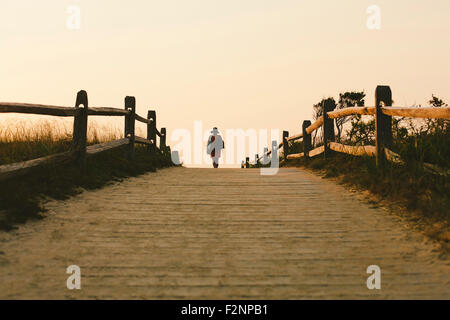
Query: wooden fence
(80, 150)
(383, 112)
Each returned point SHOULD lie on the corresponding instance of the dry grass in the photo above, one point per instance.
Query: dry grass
(20, 141)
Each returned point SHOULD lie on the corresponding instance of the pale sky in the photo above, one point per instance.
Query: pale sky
(232, 64)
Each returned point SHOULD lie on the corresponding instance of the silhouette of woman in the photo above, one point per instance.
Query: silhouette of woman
(215, 146)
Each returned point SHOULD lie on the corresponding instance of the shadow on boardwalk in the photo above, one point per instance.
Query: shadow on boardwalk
(219, 234)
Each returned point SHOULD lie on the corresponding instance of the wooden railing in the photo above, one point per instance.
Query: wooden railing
(80, 150)
(383, 112)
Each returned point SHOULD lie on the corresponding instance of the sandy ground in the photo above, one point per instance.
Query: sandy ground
(219, 234)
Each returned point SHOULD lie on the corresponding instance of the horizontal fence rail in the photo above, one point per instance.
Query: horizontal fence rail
(79, 150)
(383, 112)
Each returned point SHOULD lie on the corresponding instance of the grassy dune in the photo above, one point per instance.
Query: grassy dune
(22, 198)
(424, 194)
(21, 141)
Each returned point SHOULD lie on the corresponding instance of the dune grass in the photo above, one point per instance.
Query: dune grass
(21, 142)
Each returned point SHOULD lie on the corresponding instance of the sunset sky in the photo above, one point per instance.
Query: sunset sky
(233, 64)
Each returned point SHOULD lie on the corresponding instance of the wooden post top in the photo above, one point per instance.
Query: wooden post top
(82, 99)
(329, 105)
(383, 94)
(130, 104)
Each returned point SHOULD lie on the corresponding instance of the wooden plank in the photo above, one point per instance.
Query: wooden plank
(351, 111)
(29, 108)
(142, 141)
(427, 112)
(353, 150)
(316, 125)
(9, 107)
(141, 119)
(18, 169)
(107, 112)
(296, 137)
(316, 151)
(102, 147)
(295, 156)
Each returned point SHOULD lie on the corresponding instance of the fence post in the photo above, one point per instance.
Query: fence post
(328, 125)
(306, 138)
(151, 129)
(247, 162)
(383, 123)
(285, 145)
(80, 121)
(162, 140)
(130, 105)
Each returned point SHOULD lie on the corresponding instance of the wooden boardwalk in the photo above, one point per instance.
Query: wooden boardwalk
(219, 234)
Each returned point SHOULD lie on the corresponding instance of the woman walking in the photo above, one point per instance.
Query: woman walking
(215, 146)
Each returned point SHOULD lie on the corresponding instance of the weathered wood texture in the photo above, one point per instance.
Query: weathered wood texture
(295, 156)
(141, 119)
(316, 125)
(296, 137)
(353, 150)
(316, 151)
(427, 112)
(102, 147)
(293, 235)
(29, 108)
(107, 112)
(39, 109)
(142, 141)
(351, 111)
